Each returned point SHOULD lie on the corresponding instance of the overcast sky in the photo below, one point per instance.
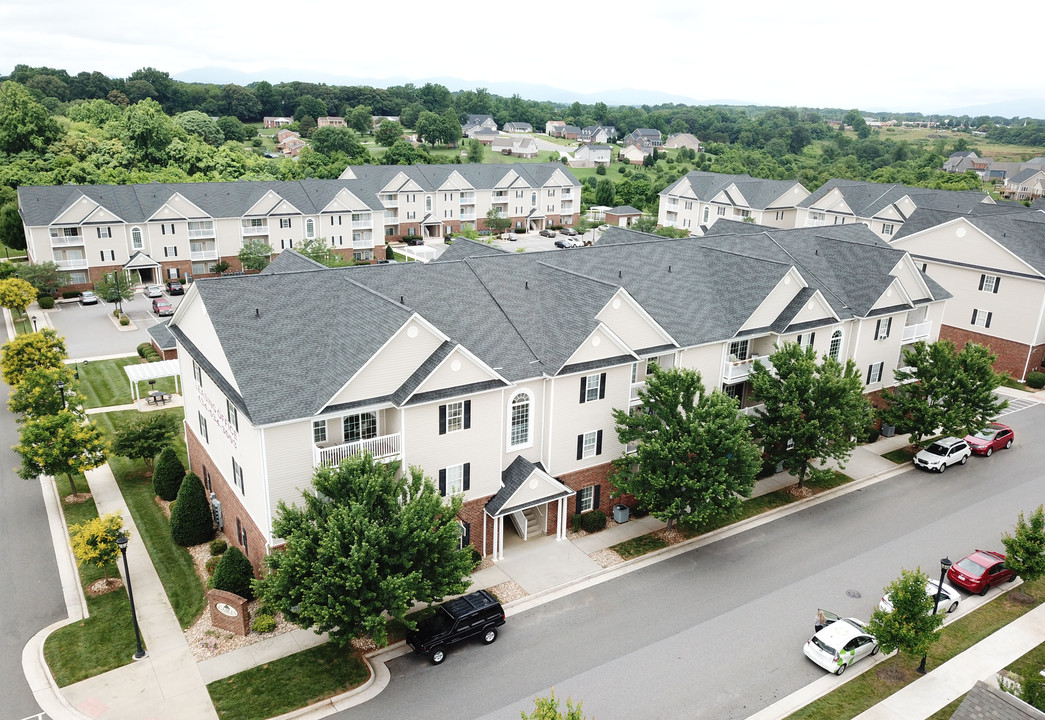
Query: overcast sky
(897, 56)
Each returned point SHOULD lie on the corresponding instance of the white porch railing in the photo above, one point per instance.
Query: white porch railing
(919, 331)
(734, 371)
(79, 264)
(201, 233)
(362, 224)
(750, 411)
(635, 387)
(203, 255)
(66, 240)
(384, 447)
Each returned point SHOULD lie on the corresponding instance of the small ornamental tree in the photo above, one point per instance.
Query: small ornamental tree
(547, 708)
(911, 627)
(146, 436)
(1025, 549)
(191, 521)
(495, 222)
(30, 351)
(94, 541)
(38, 394)
(234, 574)
(255, 254)
(60, 444)
(115, 288)
(168, 474)
(16, 295)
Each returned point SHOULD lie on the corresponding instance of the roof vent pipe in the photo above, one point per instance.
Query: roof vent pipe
(401, 300)
(257, 312)
(620, 273)
(669, 268)
(527, 284)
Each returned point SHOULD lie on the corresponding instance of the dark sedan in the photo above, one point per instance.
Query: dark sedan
(547, 233)
(174, 287)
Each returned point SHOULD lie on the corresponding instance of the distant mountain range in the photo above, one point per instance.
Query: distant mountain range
(1023, 107)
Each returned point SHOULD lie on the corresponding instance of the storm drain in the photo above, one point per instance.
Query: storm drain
(853, 593)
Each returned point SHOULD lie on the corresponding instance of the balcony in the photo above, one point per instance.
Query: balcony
(201, 233)
(254, 230)
(468, 198)
(203, 255)
(66, 240)
(73, 264)
(635, 387)
(917, 332)
(734, 371)
(362, 224)
(468, 217)
(384, 448)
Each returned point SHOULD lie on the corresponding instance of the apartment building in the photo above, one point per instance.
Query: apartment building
(699, 199)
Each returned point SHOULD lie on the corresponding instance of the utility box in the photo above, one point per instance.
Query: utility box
(620, 513)
(888, 430)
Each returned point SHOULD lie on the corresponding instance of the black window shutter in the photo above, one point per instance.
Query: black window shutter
(577, 504)
(442, 419)
(598, 443)
(888, 326)
(878, 329)
(602, 386)
(973, 321)
(584, 386)
(869, 369)
(580, 446)
(467, 414)
(812, 338)
(99, 231)
(989, 319)
(467, 539)
(442, 482)
(595, 497)
(997, 282)
(467, 476)
(983, 279)
(102, 253)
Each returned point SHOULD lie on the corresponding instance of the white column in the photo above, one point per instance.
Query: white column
(500, 538)
(560, 525)
(496, 526)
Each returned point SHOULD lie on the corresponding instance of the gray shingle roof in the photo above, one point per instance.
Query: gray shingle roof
(292, 261)
(985, 702)
(867, 199)
(758, 192)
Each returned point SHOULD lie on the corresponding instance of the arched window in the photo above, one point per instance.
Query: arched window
(836, 344)
(136, 238)
(519, 432)
(533, 199)
(310, 228)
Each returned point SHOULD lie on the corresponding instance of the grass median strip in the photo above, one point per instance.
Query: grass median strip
(289, 683)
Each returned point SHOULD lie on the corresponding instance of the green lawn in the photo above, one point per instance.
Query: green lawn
(104, 382)
(288, 683)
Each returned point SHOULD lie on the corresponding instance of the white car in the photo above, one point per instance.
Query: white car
(948, 602)
(942, 453)
(153, 291)
(840, 644)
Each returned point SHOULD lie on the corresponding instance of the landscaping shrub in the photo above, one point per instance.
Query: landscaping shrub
(263, 624)
(167, 474)
(46, 302)
(234, 574)
(143, 348)
(191, 522)
(70, 294)
(872, 435)
(212, 562)
(477, 557)
(219, 267)
(600, 170)
(151, 355)
(124, 320)
(1036, 379)
(593, 521)
(217, 547)
(575, 522)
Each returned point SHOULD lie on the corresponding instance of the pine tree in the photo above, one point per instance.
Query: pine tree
(234, 574)
(191, 522)
(168, 474)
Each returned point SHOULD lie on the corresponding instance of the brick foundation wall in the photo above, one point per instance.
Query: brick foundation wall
(1012, 356)
(596, 475)
(473, 512)
(231, 505)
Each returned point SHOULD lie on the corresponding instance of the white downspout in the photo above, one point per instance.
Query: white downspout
(1037, 327)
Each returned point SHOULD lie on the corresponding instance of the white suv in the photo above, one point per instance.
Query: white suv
(943, 452)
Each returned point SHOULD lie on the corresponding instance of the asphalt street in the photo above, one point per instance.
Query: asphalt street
(717, 632)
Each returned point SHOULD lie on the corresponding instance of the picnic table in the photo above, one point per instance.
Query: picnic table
(158, 397)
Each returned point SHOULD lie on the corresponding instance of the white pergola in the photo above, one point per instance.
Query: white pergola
(139, 372)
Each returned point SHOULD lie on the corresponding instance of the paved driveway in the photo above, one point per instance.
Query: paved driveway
(532, 242)
(90, 331)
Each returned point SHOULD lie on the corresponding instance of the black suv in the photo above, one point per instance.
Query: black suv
(477, 613)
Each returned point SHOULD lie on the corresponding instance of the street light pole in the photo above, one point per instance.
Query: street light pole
(34, 323)
(121, 542)
(61, 390)
(944, 565)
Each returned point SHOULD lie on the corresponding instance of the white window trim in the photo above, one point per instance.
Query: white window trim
(528, 441)
(594, 437)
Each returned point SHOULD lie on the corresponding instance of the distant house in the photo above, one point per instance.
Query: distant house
(587, 156)
(376, 120)
(292, 146)
(276, 122)
(521, 147)
(571, 132)
(683, 140)
(483, 134)
(643, 137)
(635, 154)
(964, 160)
(1025, 185)
(331, 121)
(555, 128)
(284, 135)
(699, 199)
(622, 215)
(597, 134)
(474, 123)
(518, 127)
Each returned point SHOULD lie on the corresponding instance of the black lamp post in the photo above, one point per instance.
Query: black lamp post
(34, 323)
(944, 565)
(61, 391)
(121, 541)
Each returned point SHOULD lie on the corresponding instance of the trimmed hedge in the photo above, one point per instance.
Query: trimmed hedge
(234, 574)
(191, 522)
(1036, 379)
(46, 302)
(168, 474)
(593, 521)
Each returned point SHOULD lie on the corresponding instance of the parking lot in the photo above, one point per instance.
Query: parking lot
(532, 241)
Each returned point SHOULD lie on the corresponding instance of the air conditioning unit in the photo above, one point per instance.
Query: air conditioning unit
(215, 509)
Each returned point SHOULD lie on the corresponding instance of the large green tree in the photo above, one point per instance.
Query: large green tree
(45, 277)
(144, 437)
(25, 124)
(694, 457)
(59, 444)
(388, 132)
(811, 411)
(940, 387)
(199, 124)
(115, 288)
(911, 627)
(1025, 548)
(365, 541)
(31, 351)
(38, 393)
(495, 222)
(255, 255)
(329, 140)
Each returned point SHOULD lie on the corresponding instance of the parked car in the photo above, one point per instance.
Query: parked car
(174, 287)
(942, 453)
(547, 233)
(566, 243)
(570, 232)
(948, 600)
(153, 291)
(840, 644)
(162, 306)
(979, 571)
(995, 437)
(88, 298)
(477, 614)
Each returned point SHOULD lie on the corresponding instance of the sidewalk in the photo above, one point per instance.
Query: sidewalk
(169, 683)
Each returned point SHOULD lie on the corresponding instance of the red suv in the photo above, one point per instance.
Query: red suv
(978, 572)
(995, 437)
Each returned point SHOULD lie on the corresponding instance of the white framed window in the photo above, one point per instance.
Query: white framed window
(170, 251)
(688, 205)
(136, 238)
(835, 349)
(237, 476)
(360, 427)
(887, 228)
(735, 391)
(586, 499)
(455, 479)
(805, 340)
(199, 268)
(428, 203)
(284, 223)
(519, 420)
(77, 277)
(104, 232)
(981, 318)
(310, 229)
(990, 283)
(745, 213)
(874, 373)
(593, 387)
(203, 427)
(779, 215)
(738, 349)
(839, 220)
(233, 414)
(589, 444)
(721, 211)
(707, 211)
(882, 327)
(197, 373)
(362, 254)
(285, 243)
(454, 416)
(319, 431)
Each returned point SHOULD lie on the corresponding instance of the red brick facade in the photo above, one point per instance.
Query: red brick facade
(598, 476)
(473, 512)
(234, 515)
(1012, 356)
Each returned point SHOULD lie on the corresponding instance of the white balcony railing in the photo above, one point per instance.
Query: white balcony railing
(734, 371)
(66, 240)
(362, 244)
(384, 447)
(467, 217)
(635, 387)
(916, 332)
(249, 230)
(750, 410)
(201, 234)
(75, 264)
(203, 255)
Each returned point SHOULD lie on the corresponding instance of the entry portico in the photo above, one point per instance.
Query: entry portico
(525, 486)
